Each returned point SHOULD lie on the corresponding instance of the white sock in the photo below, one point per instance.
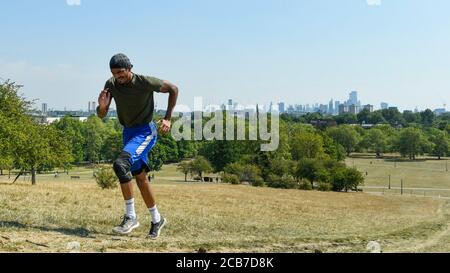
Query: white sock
(129, 205)
(156, 217)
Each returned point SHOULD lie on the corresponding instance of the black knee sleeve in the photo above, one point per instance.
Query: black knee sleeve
(122, 168)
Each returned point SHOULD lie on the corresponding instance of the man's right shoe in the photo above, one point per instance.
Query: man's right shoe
(127, 225)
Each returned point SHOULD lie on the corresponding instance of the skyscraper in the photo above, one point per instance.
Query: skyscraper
(336, 107)
(384, 105)
(281, 107)
(44, 108)
(330, 107)
(353, 98)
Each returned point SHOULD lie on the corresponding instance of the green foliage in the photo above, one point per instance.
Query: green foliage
(201, 165)
(306, 145)
(346, 136)
(185, 167)
(231, 178)
(345, 179)
(441, 142)
(324, 186)
(375, 141)
(95, 133)
(105, 178)
(412, 142)
(304, 185)
(74, 132)
(245, 172)
(281, 182)
(346, 118)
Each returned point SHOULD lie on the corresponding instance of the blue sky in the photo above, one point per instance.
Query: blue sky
(254, 51)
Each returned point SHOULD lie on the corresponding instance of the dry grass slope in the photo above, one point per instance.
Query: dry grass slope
(218, 218)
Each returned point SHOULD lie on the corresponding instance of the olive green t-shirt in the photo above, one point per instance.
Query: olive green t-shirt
(134, 101)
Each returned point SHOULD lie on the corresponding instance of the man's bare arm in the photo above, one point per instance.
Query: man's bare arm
(170, 88)
(173, 96)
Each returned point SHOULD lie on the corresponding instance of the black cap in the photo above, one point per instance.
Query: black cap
(120, 61)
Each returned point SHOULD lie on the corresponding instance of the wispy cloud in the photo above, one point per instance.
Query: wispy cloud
(73, 2)
(373, 2)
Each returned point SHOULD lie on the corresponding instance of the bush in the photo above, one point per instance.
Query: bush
(323, 186)
(305, 185)
(230, 178)
(285, 182)
(105, 178)
(346, 179)
(259, 182)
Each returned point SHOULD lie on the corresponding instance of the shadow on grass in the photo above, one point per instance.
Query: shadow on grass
(79, 232)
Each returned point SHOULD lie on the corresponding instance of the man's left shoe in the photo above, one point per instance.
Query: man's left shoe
(155, 230)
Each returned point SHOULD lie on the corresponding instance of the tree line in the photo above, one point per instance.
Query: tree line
(308, 156)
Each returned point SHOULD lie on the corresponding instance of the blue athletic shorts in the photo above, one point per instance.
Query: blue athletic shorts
(139, 141)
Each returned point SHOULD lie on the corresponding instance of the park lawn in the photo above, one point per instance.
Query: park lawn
(217, 217)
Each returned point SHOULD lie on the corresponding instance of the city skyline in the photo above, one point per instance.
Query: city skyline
(334, 107)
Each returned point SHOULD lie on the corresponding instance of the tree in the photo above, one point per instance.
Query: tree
(73, 130)
(95, 134)
(441, 143)
(112, 146)
(201, 165)
(375, 140)
(40, 147)
(427, 117)
(411, 117)
(346, 118)
(412, 142)
(306, 145)
(346, 179)
(363, 116)
(393, 116)
(309, 169)
(33, 147)
(345, 136)
(185, 167)
(332, 149)
(376, 118)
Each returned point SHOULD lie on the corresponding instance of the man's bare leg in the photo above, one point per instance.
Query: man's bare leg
(127, 190)
(130, 220)
(146, 189)
(148, 195)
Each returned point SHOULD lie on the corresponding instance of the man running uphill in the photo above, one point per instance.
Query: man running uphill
(133, 95)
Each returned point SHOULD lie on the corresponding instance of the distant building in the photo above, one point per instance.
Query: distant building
(281, 107)
(343, 108)
(368, 107)
(230, 104)
(384, 105)
(330, 107)
(323, 108)
(353, 98)
(336, 107)
(393, 108)
(44, 108)
(440, 111)
(353, 109)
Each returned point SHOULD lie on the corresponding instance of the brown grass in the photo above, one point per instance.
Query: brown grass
(217, 217)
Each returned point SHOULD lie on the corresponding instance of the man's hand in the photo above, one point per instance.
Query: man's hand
(164, 125)
(104, 99)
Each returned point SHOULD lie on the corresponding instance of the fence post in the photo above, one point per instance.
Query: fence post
(401, 187)
(389, 181)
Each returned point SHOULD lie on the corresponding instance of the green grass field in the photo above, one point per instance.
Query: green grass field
(217, 217)
(429, 177)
